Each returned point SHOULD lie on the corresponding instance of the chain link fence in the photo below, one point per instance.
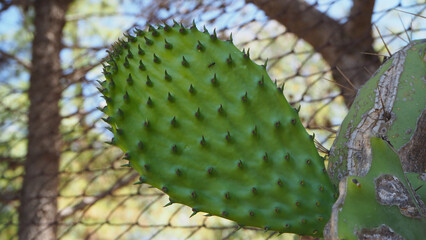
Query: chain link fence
(97, 198)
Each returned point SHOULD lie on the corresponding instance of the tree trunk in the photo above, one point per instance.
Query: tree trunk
(341, 45)
(38, 209)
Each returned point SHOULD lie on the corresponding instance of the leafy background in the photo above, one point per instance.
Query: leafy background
(97, 199)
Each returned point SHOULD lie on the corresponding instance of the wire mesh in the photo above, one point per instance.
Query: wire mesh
(97, 198)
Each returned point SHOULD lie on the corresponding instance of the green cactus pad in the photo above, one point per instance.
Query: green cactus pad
(418, 183)
(389, 104)
(202, 122)
(381, 204)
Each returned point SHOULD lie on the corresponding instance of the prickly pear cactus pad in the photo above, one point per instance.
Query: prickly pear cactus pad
(206, 125)
(380, 205)
(392, 103)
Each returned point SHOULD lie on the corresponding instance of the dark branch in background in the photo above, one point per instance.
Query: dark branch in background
(23, 4)
(339, 44)
(6, 4)
(12, 163)
(79, 73)
(93, 48)
(81, 136)
(9, 196)
(358, 25)
(6, 55)
(89, 201)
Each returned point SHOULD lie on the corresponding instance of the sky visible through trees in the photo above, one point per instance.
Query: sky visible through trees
(96, 197)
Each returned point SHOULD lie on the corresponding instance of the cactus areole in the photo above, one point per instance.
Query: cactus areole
(206, 125)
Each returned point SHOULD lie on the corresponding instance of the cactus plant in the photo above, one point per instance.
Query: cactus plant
(202, 122)
(380, 205)
(206, 125)
(371, 172)
(389, 104)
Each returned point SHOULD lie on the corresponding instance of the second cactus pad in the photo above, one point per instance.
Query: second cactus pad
(202, 122)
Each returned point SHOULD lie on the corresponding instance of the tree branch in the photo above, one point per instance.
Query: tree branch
(79, 73)
(7, 55)
(340, 45)
(12, 163)
(7, 4)
(358, 25)
(9, 196)
(306, 22)
(89, 201)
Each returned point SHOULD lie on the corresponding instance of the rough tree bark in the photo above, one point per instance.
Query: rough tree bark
(38, 209)
(341, 45)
